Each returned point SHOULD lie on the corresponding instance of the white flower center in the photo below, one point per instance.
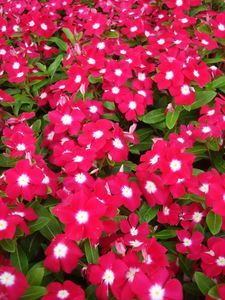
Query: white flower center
(44, 26)
(154, 159)
(196, 73)
(62, 294)
(20, 74)
(197, 217)
(97, 134)
(108, 277)
(141, 76)
(132, 105)
(82, 216)
(78, 158)
(16, 66)
(118, 72)
(204, 188)
(21, 147)
(96, 26)
(31, 23)
(3, 224)
(161, 41)
(91, 61)
(46, 179)
(117, 143)
(184, 20)
(93, 109)
(131, 273)
(156, 292)
(66, 119)
(60, 250)
(43, 95)
(206, 129)
(115, 90)
(166, 211)
(101, 45)
(187, 242)
(135, 243)
(221, 27)
(204, 42)
(220, 261)
(169, 75)
(133, 29)
(211, 112)
(23, 180)
(80, 178)
(185, 90)
(133, 231)
(127, 191)
(2, 51)
(150, 187)
(7, 279)
(51, 136)
(175, 165)
(77, 79)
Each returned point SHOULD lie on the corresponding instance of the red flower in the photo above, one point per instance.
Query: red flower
(184, 95)
(198, 72)
(205, 41)
(108, 274)
(23, 180)
(8, 222)
(117, 72)
(13, 284)
(67, 290)
(62, 253)
(213, 258)
(158, 287)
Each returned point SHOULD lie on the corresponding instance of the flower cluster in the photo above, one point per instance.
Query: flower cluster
(112, 178)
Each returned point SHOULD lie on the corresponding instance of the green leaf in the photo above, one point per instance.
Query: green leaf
(19, 259)
(112, 117)
(218, 161)
(7, 162)
(214, 222)
(109, 105)
(38, 224)
(203, 282)
(172, 117)
(39, 85)
(213, 292)
(90, 253)
(154, 116)
(50, 230)
(165, 234)
(112, 34)
(35, 275)
(202, 98)
(186, 265)
(60, 43)
(54, 66)
(217, 83)
(8, 245)
(94, 80)
(41, 66)
(34, 292)
(147, 213)
(36, 126)
(69, 35)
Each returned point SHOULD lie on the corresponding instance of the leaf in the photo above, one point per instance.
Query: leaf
(41, 66)
(34, 292)
(112, 34)
(147, 213)
(38, 86)
(112, 117)
(7, 162)
(60, 43)
(90, 253)
(213, 292)
(51, 229)
(36, 126)
(214, 222)
(94, 80)
(217, 83)
(165, 234)
(218, 160)
(19, 259)
(69, 35)
(186, 265)
(54, 66)
(35, 275)
(154, 116)
(203, 282)
(202, 98)
(8, 245)
(38, 224)
(109, 105)
(172, 117)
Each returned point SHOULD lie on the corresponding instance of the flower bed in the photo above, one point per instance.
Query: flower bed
(112, 149)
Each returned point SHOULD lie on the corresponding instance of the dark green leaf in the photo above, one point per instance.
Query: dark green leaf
(60, 43)
(41, 66)
(154, 116)
(34, 292)
(172, 117)
(7, 162)
(147, 213)
(90, 252)
(112, 34)
(8, 245)
(35, 275)
(214, 222)
(54, 66)
(165, 234)
(203, 282)
(69, 35)
(109, 105)
(213, 292)
(19, 259)
(38, 224)
(94, 80)
(217, 83)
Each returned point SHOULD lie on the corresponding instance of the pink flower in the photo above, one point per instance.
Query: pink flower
(13, 284)
(67, 290)
(62, 253)
(109, 274)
